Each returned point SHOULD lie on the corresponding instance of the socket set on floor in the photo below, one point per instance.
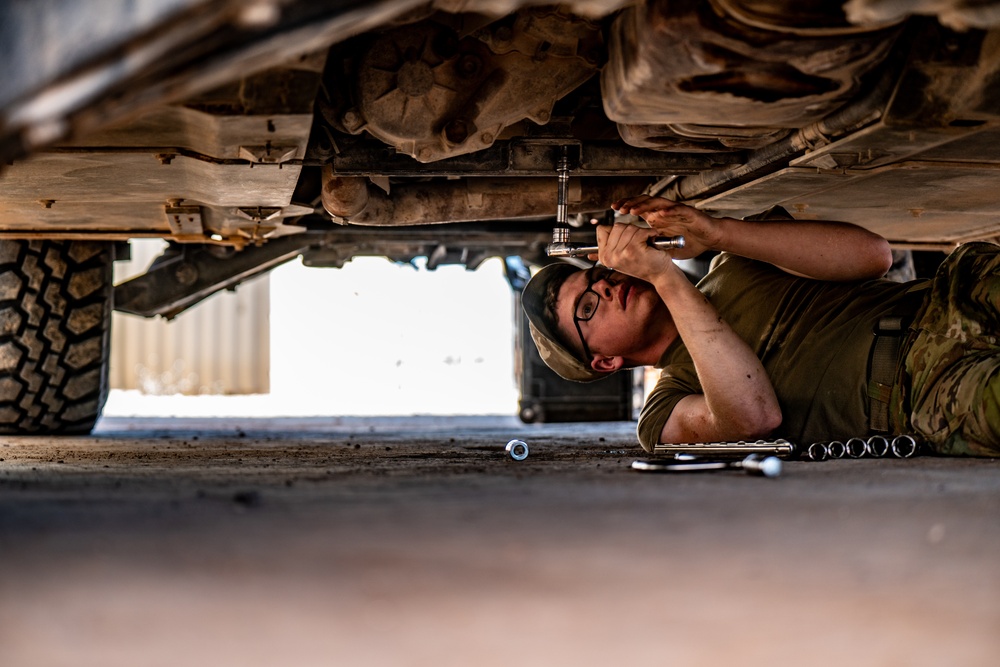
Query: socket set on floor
(877, 446)
(695, 455)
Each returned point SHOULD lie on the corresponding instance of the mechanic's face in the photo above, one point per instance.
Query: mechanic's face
(610, 314)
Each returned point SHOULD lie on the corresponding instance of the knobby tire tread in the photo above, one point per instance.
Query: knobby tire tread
(55, 335)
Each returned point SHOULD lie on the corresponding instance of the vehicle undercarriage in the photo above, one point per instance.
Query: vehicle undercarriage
(250, 134)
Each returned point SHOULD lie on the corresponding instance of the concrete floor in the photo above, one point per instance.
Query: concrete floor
(418, 542)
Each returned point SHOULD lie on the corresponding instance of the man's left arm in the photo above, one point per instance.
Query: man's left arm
(822, 250)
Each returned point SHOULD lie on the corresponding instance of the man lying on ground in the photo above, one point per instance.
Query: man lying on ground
(792, 333)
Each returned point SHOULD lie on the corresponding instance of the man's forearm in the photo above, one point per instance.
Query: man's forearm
(738, 400)
(836, 251)
(822, 250)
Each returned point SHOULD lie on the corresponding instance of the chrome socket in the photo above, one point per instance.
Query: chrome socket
(877, 446)
(518, 450)
(904, 446)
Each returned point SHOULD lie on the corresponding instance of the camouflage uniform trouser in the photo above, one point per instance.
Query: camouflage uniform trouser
(950, 393)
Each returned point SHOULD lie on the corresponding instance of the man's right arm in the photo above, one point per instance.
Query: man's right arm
(738, 401)
(822, 250)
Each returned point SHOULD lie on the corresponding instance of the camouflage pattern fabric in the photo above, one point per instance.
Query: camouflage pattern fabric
(950, 388)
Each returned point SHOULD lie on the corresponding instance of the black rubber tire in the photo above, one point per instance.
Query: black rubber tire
(55, 335)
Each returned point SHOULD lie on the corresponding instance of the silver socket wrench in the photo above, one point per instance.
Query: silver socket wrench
(781, 448)
(754, 464)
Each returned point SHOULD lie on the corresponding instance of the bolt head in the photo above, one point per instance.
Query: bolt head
(456, 131)
(186, 274)
(351, 119)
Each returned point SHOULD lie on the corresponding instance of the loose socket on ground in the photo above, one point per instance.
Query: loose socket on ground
(518, 450)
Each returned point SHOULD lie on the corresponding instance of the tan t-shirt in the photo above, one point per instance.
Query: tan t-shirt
(813, 337)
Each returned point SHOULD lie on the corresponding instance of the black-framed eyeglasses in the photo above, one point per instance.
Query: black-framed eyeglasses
(586, 305)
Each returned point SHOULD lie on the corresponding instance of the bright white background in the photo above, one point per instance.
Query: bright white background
(374, 338)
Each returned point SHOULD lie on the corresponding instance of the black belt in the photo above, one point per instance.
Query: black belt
(882, 370)
(889, 333)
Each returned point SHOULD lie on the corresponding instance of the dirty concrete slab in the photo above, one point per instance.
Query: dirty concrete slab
(417, 541)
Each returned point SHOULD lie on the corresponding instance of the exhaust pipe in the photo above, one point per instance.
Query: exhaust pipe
(353, 200)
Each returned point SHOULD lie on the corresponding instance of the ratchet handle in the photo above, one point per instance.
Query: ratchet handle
(667, 242)
(569, 250)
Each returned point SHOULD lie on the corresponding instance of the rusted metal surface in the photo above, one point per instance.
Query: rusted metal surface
(397, 114)
(470, 200)
(163, 52)
(531, 157)
(683, 64)
(433, 91)
(180, 128)
(187, 275)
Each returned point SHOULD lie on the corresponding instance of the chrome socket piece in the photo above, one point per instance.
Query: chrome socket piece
(518, 450)
(877, 446)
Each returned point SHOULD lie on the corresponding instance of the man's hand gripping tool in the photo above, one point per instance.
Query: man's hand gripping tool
(560, 246)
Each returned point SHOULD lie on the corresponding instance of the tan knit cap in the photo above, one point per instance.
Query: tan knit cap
(542, 324)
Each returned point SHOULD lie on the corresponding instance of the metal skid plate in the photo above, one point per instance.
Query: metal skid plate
(178, 128)
(922, 168)
(898, 183)
(71, 190)
(188, 170)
